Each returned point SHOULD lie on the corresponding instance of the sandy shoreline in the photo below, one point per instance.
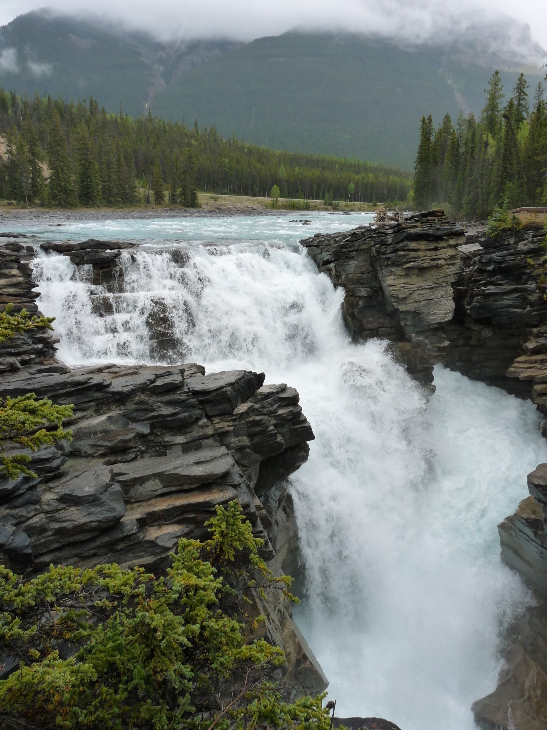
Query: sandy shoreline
(29, 216)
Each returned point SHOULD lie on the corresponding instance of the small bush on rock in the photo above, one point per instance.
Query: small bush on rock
(108, 647)
(25, 421)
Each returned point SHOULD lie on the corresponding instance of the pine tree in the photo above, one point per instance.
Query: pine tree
(184, 187)
(535, 155)
(61, 186)
(157, 184)
(423, 168)
(13, 183)
(88, 174)
(107, 170)
(520, 95)
(510, 183)
(440, 146)
(538, 95)
(4, 103)
(37, 183)
(491, 114)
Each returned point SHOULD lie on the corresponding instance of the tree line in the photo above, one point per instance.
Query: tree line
(496, 161)
(65, 154)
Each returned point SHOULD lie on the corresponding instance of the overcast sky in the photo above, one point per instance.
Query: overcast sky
(249, 19)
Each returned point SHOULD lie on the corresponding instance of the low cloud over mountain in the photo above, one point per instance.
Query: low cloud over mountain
(512, 27)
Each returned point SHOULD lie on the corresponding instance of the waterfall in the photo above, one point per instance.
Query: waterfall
(405, 597)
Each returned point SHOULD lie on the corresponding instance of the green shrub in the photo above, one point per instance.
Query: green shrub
(148, 652)
(502, 219)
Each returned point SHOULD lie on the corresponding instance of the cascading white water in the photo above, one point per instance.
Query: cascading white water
(398, 505)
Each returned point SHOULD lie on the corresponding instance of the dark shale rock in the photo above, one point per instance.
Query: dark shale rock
(364, 723)
(147, 452)
(524, 535)
(498, 306)
(102, 256)
(398, 283)
(16, 288)
(520, 699)
(471, 302)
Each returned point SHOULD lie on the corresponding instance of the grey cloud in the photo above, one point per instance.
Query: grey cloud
(40, 69)
(410, 21)
(8, 60)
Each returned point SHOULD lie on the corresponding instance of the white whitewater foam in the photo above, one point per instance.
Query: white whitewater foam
(398, 505)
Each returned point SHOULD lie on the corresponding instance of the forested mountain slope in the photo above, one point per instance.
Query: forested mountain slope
(344, 95)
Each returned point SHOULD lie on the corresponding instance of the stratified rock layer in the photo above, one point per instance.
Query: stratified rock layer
(154, 450)
(470, 302)
(397, 279)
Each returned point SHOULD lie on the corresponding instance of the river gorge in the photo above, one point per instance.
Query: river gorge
(390, 523)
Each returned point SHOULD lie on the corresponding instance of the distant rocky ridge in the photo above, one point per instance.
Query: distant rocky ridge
(477, 304)
(154, 450)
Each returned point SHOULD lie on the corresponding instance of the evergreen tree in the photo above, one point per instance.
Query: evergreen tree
(13, 177)
(423, 169)
(491, 114)
(108, 173)
(157, 185)
(37, 183)
(125, 182)
(441, 140)
(61, 186)
(509, 177)
(88, 172)
(124, 148)
(173, 191)
(4, 103)
(535, 156)
(478, 166)
(538, 95)
(520, 96)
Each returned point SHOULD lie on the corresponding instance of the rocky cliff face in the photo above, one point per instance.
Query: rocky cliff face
(441, 296)
(397, 279)
(154, 450)
(520, 700)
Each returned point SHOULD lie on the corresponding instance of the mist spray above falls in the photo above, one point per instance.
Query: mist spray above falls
(398, 505)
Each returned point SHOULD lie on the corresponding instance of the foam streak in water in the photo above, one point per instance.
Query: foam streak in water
(398, 505)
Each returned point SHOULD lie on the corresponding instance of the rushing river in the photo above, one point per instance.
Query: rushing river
(398, 504)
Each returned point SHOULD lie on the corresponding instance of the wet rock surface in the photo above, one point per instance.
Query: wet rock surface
(520, 699)
(498, 307)
(364, 723)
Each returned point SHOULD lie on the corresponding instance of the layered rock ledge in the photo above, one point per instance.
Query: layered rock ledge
(440, 295)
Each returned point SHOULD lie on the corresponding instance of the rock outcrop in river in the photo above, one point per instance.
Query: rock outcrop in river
(154, 450)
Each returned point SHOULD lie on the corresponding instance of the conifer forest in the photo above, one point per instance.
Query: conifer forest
(67, 154)
(498, 160)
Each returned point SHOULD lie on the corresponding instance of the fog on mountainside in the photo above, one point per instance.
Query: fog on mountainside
(500, 26)
(340, 94)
